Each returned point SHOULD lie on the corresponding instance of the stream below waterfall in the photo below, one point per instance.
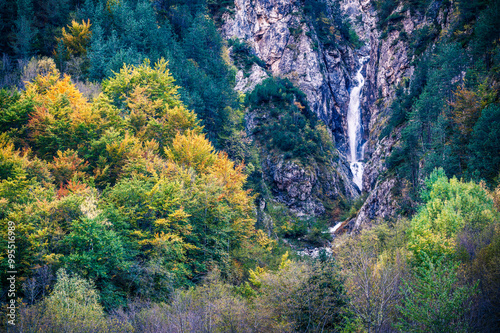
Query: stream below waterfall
(354, 128)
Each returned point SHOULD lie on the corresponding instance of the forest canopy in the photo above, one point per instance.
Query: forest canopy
(140, 191)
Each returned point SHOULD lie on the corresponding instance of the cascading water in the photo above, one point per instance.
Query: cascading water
(354, 128)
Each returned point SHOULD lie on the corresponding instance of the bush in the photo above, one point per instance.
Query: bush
(292, 128)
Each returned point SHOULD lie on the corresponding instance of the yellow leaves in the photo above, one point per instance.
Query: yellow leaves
(149, 99)
(167, 237)
(47, 75)
(244, 228)
(192, 150)
(285, 262)
(220, 183)
(177, 220)
(129, 148)
(165, 241)
(451, 206)
(157, 81)
(232, 179)
(141, 105)
(223, 168)
(325, 19)
(65, 91)
(179, 119)
(10, 156)
(162, 223)
(255, 276)
(124, 156)
(140, 235)
(77, 38)
(152, 118)
(52, 259)
(264, 241)
(178, 215)
(57, 99)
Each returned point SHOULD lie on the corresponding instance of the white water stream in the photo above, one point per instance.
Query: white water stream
(354, 128)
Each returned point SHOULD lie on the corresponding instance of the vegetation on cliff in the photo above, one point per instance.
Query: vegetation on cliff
(129, 176)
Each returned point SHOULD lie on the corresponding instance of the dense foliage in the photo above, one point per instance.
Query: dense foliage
(422, 275)
(289, 125)
(331, 25)
(107, 34)
(448, 111)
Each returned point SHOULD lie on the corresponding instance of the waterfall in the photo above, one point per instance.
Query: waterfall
(354, 128)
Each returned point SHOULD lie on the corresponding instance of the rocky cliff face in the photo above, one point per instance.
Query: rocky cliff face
(281, 36)
(303, 188)
(390, 64)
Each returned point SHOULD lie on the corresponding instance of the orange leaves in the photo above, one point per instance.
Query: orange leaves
(300, 106)
(66, 166)
(50, 91)
(62, 98)
(224, 169)
(60, 110)
(193, 150)
(218, 183)
(466, 109)
(73, 186)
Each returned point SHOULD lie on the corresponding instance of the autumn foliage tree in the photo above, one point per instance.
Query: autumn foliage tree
(77, 38)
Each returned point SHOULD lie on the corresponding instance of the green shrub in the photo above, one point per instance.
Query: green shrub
(292, 128)
(243, 55)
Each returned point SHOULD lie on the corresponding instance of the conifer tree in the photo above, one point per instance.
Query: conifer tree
(25, 31)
